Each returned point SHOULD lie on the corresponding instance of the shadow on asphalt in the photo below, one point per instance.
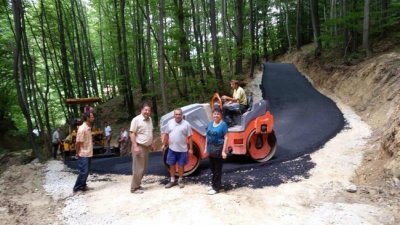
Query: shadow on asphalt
(238, 171)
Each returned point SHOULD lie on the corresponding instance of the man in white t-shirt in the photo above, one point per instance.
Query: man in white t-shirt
(107, 133)
(177, 136)
(56, 141)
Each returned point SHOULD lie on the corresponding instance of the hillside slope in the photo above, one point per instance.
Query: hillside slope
(372, 89)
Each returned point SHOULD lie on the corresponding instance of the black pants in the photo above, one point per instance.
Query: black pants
(230, 111)
(216, 170)
(54, 150)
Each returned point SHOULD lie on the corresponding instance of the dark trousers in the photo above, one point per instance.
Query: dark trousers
(54, 149)
(216, 170)
(84, 166)
(231, 109)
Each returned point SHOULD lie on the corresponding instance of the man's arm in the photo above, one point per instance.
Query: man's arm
(78, 148)
(134, 147)
(190, 141)
(230, 99)
(164, 140)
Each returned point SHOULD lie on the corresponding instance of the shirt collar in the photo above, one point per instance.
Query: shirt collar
(143, 118)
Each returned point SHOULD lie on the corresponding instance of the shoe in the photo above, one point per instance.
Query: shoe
(212, 192)
(87, 188)
(181, 184)
(209, 188)
(170, 185)
(78, 192)
(137, 191)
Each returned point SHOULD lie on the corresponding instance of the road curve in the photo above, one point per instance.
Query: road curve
(304, 118)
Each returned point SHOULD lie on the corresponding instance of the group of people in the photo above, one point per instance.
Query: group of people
(176, 139)
(123, 139)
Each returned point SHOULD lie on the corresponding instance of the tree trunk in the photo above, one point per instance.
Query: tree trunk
(69, 93)
(346, 38)
(197, 34)
(214, 39)
(184, 56)
(18, 73)
(161, 59)
(126, 76)
(365, 42)
(252, 38)
(150, 62)
(239, 36)
(103, 68)
(265, 31)
(91, 67)
(299, 20)
(203, 39)
(286, 10)
(316, 27)
(45, 95)
(384, 15)
(227, 45)
(80, 75)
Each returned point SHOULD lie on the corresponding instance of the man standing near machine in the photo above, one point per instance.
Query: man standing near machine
(177, 136)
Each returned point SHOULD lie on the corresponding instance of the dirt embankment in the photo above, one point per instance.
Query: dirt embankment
(23, 199)
(372, 89)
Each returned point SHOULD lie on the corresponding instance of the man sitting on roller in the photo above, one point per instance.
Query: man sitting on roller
(236, 103)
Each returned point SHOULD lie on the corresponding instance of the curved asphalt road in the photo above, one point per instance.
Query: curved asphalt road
(304, 121)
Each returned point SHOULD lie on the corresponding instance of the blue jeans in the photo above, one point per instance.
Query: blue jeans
(84, 166)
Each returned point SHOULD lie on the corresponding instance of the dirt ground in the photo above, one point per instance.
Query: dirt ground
(355, 180)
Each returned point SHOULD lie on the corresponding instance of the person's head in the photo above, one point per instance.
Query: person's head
(178, 115)
(146, 110)
(88, 117)
(217, 115)
(234, 84)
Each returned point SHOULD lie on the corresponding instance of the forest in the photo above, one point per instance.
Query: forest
(169, 53)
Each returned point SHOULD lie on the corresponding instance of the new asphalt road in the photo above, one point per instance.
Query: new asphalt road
(304, 121)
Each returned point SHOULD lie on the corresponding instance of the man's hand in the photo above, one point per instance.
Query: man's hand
(135, 150)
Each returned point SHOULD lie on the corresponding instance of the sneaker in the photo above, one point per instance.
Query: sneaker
(209, 188)
(137, 191)
(170, 185)
(212, 192)
(181, 184)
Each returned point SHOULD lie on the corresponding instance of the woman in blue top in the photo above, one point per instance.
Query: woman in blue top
(216, 138)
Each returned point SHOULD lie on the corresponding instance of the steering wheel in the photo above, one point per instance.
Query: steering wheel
(214, 100)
